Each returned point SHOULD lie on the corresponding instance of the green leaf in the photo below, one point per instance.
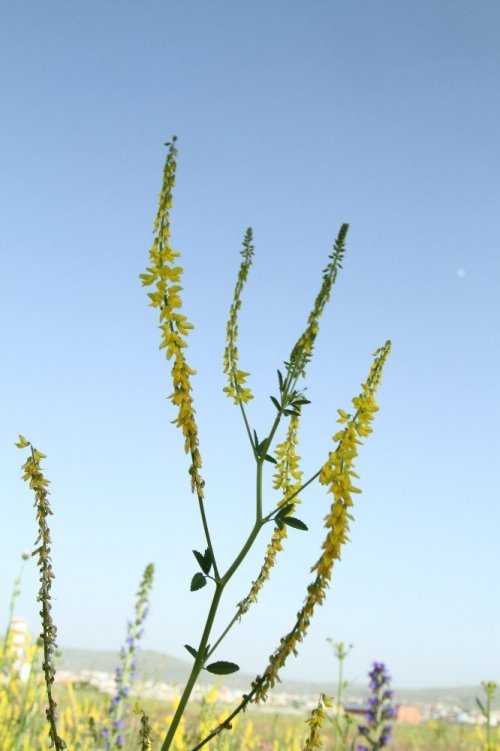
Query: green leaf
(222, 667)
(205, 560)
(270, 458)
(481, 707)
(284, 510)
(192, 651)
(290, 412)
(261, 446)
(200, 558)
(276, 403)
(197, 582)
(280, 380)
(208, 561)
(256, 439)
(279, 524)
(295, 523)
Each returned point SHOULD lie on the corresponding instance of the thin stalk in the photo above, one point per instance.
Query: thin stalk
(258, 494)
(201, 507)
(226, 723)
(265, 519)
(247, 426)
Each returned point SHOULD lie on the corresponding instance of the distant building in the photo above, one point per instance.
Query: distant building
(410, 714)
(18, 633)
(406, 713)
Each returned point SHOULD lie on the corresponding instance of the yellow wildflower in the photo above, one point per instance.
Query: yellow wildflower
(315, 723)
(288, 480)
(174, 326)
(337, 474)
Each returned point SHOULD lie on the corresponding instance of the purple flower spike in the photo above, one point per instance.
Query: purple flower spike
(380, 710)
(126, 673)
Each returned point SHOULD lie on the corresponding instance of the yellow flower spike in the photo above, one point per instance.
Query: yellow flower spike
(335, 474)
(165, 275)
(315, 722)
(236, 388)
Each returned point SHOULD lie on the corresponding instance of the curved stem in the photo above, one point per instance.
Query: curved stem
(226, 724)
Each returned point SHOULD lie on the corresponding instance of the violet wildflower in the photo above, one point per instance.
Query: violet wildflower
(119, 708)
(377, 730)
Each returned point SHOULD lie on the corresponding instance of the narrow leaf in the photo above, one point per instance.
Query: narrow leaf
(284, 510)
(261, 445)
(197, 582)
(222, 667)
(270, 458)
(280, 380)
(208, 561)
(481, 707)
(192, 651)
(200, 558)
(204, 560)
(276, 403)
(295, 523)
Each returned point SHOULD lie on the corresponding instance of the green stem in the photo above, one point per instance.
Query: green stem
(201, 506)
(196, 669)
(201, 656)
(247, 426)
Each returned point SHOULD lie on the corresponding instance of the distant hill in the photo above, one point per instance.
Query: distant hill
(163, 668)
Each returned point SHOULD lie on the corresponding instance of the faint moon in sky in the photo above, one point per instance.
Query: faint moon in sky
(461, 273)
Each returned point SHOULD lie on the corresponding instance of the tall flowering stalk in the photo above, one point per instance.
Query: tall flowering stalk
(315, 723)
(165, 274)
(336, 473)
(490, 689)
(237, 389)
(376, 732)
(32, 473)
(146, 731)
(114, 737)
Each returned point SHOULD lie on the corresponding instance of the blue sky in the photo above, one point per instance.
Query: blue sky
(292, 117)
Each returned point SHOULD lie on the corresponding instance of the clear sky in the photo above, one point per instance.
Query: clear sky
(292, 117)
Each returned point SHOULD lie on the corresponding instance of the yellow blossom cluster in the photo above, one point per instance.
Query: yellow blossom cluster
(337, 474)
(236, 388)
(288, 480)
(315, 723)
(165, 274)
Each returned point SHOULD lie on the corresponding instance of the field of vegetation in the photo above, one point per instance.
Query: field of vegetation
(85, 712)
